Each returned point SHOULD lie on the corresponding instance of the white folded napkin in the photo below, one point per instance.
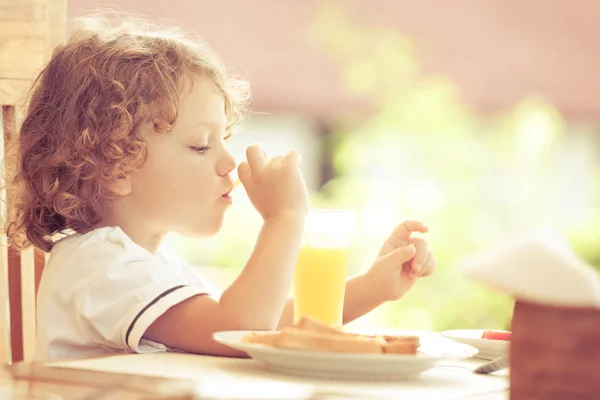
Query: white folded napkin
(538, 267)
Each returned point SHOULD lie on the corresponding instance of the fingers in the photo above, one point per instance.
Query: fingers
(421, 255)
(424, 263)
(278, 160)
(256, 157)
(244, 172)
(405, 229)
(293, 158)
(401, 255)
(429, 266)
(401, 234)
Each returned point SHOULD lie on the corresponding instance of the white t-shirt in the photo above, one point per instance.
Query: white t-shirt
(100, 291)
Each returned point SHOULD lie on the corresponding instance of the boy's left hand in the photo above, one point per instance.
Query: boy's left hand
(402, 260)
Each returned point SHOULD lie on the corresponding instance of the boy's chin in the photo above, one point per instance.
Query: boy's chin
(203, 231)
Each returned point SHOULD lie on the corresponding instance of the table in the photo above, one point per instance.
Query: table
(173, 376)
(36, 381)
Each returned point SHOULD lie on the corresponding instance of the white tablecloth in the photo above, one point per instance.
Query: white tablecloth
(449, 380)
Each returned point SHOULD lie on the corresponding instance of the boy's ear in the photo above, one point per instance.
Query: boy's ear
(121, 186)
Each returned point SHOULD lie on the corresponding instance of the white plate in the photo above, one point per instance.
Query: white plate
(488, 349)
(347, 365)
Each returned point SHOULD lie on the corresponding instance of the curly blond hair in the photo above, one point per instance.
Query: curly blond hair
(81, 127)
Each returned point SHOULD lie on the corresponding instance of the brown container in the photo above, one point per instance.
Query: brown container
(555, 353)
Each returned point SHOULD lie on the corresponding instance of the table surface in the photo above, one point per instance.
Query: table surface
(176, 376)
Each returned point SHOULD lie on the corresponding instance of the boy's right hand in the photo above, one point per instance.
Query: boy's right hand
(276, 187)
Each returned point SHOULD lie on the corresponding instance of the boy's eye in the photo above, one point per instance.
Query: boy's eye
(200, 150)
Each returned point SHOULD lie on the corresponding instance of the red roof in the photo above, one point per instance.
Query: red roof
(497, 51)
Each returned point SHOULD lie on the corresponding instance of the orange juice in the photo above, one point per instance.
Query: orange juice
(320, 283)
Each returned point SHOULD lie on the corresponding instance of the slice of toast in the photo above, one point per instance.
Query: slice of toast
(266, 338)
(318, 341)
(312, 334)
(402, 339)
(401, 344)
(314, 325)
(400, 348)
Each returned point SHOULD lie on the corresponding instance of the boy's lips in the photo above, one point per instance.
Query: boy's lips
(227, 195)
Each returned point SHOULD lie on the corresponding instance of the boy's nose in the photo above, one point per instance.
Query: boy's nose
(228, 163)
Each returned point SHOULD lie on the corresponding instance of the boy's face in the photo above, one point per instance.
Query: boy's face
(184, 182)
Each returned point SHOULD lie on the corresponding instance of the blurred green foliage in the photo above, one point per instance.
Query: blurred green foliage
(474, 179)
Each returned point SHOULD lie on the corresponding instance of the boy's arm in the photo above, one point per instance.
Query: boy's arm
(254, 301)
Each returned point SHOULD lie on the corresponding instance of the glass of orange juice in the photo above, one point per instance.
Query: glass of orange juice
(320, 275)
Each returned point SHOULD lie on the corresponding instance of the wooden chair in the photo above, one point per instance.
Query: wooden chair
(29, 31)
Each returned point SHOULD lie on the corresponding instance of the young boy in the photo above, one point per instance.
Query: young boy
(124, 141)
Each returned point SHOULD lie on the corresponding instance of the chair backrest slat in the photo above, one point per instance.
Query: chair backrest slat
(5, 341)
(29, 31)
(28, 297)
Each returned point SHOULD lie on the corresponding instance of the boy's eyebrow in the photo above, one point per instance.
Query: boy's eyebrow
(198, 129)
(201, 127)
(209, 124)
